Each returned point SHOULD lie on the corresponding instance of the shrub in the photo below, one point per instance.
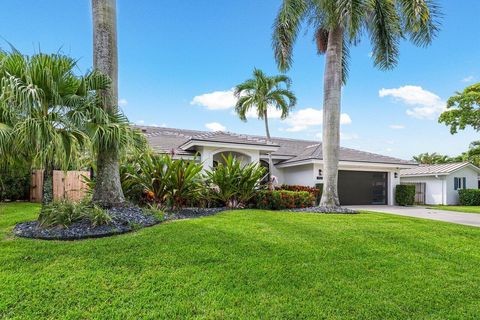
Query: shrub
(14, 184)
(315, 191)
(161, 180)
(282, 199)
(234, 184)
(63, 213)
(405, 194)
(469, 197)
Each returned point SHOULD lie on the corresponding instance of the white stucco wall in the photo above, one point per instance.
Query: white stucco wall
(472, 183)
(208, 153)
(434, 188)
(299, 175)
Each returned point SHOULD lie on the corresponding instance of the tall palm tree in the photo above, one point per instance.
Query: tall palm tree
(262, 92)
(43, 109)
(337, 25)
(108, 189)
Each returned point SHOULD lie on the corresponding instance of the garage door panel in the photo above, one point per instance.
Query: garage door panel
(362, 187)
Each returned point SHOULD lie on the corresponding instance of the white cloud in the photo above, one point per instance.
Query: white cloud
(304, 118)
(272, 113)
(122, 102)
(215, 126)
(426, 104)
(468, 79)
(397, 126)
(140, 122)
(217, 100)
(349, 136)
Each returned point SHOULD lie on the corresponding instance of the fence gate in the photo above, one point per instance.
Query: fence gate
(68, 185)
(420, 191)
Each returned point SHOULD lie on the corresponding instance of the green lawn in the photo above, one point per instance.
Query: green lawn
(467, 209)
(246, 264)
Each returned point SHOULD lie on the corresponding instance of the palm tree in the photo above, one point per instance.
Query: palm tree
(337, 25)
(43, 109)
(432, 158)
(108, 189)
(262, 92)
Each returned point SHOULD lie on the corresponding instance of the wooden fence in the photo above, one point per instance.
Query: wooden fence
(66, 185)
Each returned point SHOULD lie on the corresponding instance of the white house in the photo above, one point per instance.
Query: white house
(439, 184)
(364, 178)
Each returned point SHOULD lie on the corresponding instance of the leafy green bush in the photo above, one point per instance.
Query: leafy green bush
(315, 191)
(14, 185)
(282, 199)
(162, 180)
(234, 184)
(405, 194)
(63, 213)
(469, 197)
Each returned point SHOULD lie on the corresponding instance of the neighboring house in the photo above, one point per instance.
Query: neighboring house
(364, 178)
(439, 183)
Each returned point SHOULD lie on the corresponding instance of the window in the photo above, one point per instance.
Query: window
(459, 183)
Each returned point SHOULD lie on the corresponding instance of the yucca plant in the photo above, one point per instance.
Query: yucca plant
(234, 183)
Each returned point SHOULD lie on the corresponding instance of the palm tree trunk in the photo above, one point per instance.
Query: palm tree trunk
(332, 91)
(108, 190)
(47, 186)
(270, 161)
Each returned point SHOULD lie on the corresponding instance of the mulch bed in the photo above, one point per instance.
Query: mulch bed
(188, 213)
(123, 220)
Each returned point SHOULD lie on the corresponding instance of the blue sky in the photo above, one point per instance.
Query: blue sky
(179, 59)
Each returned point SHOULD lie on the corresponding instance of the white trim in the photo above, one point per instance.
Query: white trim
(193, 143)
(353, 164)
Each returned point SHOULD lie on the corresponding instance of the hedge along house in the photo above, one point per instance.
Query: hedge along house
(439, 183)
(364, 178)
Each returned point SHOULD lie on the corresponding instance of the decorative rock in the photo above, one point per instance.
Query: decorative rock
(123, 220)
(193, 212)
(324, 210)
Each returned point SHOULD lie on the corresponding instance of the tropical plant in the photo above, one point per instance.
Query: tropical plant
(261, 93)
(163, 180)
(338, 25)
(108, 189)
(282, 199)
(45, 107)
(233, 183)
(432, 158)
(64, 213)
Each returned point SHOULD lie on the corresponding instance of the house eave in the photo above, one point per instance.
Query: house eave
(191, 144)
(362, 164)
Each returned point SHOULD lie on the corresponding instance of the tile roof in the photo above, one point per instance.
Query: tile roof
(434, 169)
(170, 139)
(346, 154)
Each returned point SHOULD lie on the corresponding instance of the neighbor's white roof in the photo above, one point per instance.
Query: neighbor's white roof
(436, 169)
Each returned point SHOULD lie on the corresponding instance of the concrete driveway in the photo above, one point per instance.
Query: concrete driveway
(468, 219)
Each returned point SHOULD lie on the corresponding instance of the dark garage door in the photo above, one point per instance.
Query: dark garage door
(362, 187)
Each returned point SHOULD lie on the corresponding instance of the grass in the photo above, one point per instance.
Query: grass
(467, 209)
(246, 264)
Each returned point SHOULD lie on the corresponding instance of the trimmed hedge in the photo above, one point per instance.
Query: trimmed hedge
(469, 197)
(405, 194)
(315, 191)
(282, 199)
